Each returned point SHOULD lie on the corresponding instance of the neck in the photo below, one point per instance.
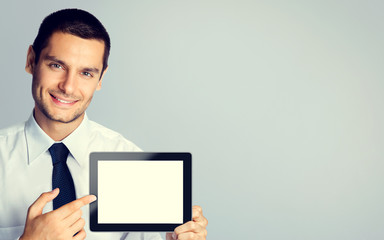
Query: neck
(55, 129)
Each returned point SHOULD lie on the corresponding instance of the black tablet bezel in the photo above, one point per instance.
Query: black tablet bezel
(141, 156)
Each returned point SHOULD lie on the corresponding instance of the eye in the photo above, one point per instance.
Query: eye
(87, 74)
(55, 65)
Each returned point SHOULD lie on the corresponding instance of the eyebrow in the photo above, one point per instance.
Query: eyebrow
(93, 70)
(87, 69)
(52, 58)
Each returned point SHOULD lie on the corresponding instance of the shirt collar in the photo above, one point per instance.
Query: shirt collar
(77, 141)
(38, 142)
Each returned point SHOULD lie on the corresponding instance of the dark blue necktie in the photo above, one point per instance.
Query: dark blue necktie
(61, 177)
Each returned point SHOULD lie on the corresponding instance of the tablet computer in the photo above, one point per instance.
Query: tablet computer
(140, 191)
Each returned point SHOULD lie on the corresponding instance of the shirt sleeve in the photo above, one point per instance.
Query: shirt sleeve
(11, 233)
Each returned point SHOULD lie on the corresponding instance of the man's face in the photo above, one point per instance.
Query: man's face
(65, 77)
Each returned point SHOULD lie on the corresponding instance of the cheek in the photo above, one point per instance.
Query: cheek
(89, 89)
(41, 79)
(36, 83)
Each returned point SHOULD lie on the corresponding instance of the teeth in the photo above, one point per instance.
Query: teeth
(62, 101)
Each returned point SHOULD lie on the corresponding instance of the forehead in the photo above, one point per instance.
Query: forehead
(75, 50)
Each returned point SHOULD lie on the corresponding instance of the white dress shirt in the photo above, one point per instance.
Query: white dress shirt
(26, 172)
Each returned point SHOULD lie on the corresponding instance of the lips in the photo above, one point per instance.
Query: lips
(65, 102)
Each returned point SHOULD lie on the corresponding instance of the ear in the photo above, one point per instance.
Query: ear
(30, 64)
(101, 79)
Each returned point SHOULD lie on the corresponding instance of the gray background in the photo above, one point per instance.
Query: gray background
(280, 103)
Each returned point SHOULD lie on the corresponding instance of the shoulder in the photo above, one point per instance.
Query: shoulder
(12, 141)
(110, 139)
(13, 131)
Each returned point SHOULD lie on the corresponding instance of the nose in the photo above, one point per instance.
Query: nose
(69, 83)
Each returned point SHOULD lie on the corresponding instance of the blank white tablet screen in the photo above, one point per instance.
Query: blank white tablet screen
(140, 191)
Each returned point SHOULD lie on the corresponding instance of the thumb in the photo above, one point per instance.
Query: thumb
(36, 208)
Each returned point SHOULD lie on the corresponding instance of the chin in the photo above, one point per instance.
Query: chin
(67, 120)
(61, 117)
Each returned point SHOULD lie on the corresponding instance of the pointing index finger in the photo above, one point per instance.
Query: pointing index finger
(81, 202)
(75, 205)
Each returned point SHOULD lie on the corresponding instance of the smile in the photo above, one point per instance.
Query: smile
(63, 101)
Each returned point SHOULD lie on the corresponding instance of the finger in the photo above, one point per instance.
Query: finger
(197, 213)
(80, 235)
(187, 236)
(197, 216)
(192, 235)
(72, 218)
(190, 226)
(73, 206)
(37, 207)
(77, 226)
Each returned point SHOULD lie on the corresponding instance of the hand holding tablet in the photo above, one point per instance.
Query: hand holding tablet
(195, 229)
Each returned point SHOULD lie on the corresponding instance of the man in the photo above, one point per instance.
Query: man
(67, 60)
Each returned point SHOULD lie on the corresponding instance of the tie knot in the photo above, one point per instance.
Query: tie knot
(59, 152)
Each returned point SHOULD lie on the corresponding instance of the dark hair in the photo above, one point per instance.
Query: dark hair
(76, 22)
